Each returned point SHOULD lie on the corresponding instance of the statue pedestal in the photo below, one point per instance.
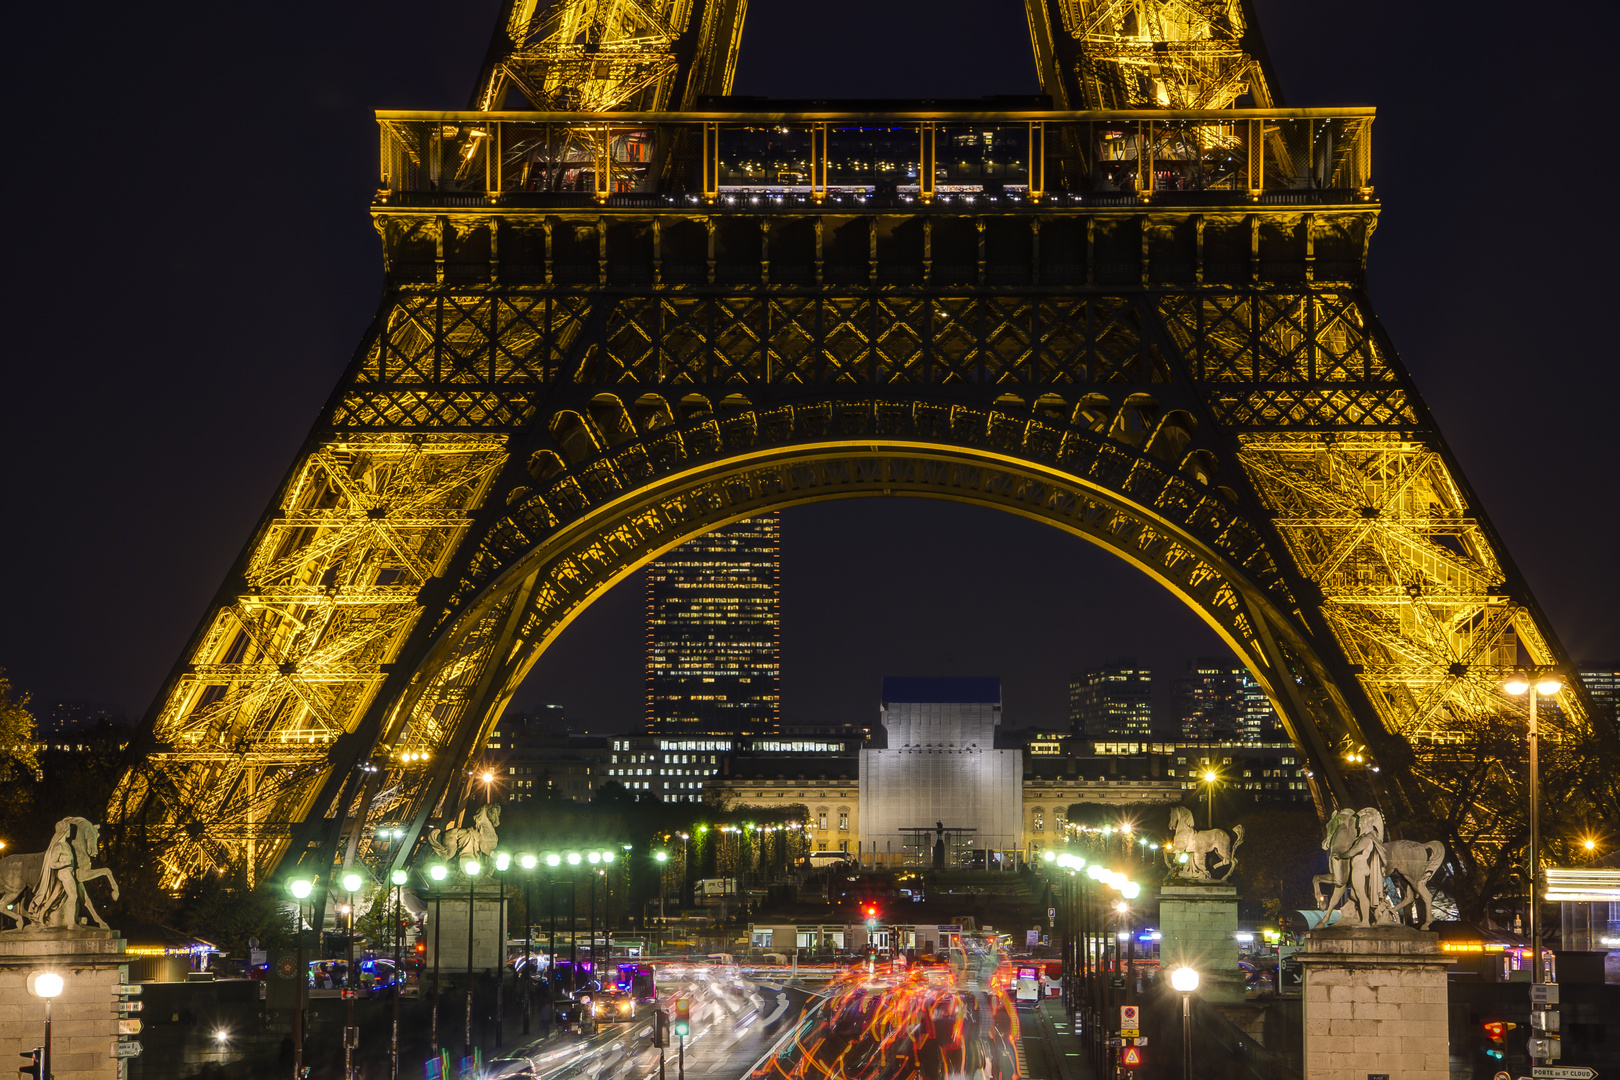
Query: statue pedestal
(450, 938)
(1198, 927)
(84, 1019)
(1375, 1003)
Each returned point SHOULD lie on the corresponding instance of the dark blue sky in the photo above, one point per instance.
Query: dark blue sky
(193, 266)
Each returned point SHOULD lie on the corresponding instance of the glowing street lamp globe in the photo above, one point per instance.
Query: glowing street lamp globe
(553, 860)
(301, 888)
(46, 984)
(399, 877)
(573, 858)
(437, 872)
(502, 860)
(470, 868)
(352, 882)
(528, 862)
(1184, 979)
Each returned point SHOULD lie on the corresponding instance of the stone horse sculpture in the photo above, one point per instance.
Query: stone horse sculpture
(1197, 844)
(46, 888)
(477, 842)
(1363, 863)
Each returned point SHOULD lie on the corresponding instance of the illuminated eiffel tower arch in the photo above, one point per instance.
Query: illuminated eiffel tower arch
(644, 310)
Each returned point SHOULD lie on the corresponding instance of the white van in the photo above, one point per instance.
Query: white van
(821, 860)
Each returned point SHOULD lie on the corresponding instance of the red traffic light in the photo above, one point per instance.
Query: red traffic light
(871, 911)
(36, 1063)
(1497, 1029)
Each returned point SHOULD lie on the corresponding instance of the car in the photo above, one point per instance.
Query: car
(507, 1069)
(613, 1006)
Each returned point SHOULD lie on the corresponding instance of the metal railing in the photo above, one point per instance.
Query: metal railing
(675, 160)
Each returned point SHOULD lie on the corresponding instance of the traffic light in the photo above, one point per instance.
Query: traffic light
(1496, 1031)
(683, 1016)
(36, 1063)
(870, 912)
(660, 1029)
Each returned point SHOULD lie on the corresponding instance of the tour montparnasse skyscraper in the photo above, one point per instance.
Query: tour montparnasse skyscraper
(714, 661)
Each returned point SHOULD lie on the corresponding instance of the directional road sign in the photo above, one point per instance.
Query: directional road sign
(1543, 993)
(1564, 1072)
(131, 1048)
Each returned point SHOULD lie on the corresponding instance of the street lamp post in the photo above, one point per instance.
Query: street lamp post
(552, 862)
(1209, 795)
(528, 862)
(351, 1034)
(503, 862)
(471, 869)
(661, 857)
(1185, 980)
(399, 878)
(1534, 684)
(573, 925)
(300, 888)
(595, 858)
(47, 985)
(437, 873)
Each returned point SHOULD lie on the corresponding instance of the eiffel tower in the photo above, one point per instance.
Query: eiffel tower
(623, 308)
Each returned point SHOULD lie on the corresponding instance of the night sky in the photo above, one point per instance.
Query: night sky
(193, 266)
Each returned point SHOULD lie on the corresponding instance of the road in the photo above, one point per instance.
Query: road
(947, 1022)
(735, 1021)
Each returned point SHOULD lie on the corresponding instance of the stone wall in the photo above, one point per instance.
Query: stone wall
(84, 1019)
(1198, 927)
(1375, 1004)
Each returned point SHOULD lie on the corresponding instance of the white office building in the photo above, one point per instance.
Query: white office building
(941, 789)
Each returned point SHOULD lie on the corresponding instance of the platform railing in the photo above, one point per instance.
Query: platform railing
(1269, 157)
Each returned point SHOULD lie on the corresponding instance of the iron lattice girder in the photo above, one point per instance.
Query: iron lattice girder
(502, 454)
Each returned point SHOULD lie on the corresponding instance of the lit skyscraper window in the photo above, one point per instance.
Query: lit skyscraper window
(714, 634)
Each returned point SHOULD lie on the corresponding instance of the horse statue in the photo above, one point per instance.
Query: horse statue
(1188, 850)
(45, 888)
(1363, 864)
(1340, 835)
(1415, 863)
(1364, 891)
(477, 842)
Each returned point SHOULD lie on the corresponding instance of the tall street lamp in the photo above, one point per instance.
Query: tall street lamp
(300, 889)
(351, 1034)
(437, 873)
(503, 862)
(552, 862)
(1209, 794)
(528, 862)
(574, 859)
(1534, 683)
(1184, 980)
(47, 985)
(471, 869)
(398, 877)
(661, 857)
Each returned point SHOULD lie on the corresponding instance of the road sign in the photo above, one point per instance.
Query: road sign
(1130, 1016)
(1547, 1049)
(1543, 993)
(129, 1027)
(1545, 1019)
(1051, 913)
(1564, 1072)
(131, 1048)
(1130, 1057)
(129, 989)
(129, 1006)
(1501, 1076)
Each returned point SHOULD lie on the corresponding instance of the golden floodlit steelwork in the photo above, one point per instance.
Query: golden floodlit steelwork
(627, 313)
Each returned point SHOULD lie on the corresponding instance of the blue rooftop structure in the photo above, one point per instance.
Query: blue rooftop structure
(942, 690)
